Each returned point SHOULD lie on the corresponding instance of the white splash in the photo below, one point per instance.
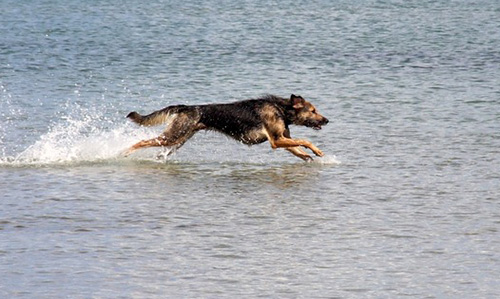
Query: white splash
(327, 160)
(86, 138)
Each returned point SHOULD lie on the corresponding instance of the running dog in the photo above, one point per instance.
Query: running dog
(250, 122)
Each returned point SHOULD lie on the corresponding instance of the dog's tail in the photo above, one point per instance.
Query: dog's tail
(156, 118)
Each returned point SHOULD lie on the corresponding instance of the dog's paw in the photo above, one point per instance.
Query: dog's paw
(127, 152)
(318, 153)
(306, 158)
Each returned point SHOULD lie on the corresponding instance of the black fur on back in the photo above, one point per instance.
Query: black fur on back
(237, 118)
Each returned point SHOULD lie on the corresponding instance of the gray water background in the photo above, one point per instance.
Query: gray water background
(404, 204)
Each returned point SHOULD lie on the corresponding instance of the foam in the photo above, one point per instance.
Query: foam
(327, 160)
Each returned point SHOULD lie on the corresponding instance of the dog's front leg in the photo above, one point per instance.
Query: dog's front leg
(288, 142)
(297, 151)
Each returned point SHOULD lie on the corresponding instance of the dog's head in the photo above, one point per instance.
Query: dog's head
(305, 113)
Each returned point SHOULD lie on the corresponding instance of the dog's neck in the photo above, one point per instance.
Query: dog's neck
(286, 108)
(289, 112)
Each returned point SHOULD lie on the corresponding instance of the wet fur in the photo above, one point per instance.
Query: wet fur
(250, 122)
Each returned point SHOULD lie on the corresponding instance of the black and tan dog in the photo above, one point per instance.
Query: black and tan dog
(250, 121)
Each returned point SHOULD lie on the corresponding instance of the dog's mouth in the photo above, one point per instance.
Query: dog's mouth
(317, 125)
(314, 125)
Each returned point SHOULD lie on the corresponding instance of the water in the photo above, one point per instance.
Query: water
(404, 204)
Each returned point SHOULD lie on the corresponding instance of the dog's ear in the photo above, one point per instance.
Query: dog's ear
(297, 101)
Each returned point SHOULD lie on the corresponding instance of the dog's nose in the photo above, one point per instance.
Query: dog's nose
(325, 120)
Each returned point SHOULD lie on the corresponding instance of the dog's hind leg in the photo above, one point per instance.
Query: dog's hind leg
(175, 135)
(143, 144)
(165, 140)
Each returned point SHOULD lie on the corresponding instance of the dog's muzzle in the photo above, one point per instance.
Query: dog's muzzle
(317, 125)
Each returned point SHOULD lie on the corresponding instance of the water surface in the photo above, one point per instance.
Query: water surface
(404, 204)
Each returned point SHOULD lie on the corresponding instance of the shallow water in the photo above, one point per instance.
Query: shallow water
(405, 202)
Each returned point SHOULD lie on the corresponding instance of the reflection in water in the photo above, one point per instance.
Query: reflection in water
(281, 176)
